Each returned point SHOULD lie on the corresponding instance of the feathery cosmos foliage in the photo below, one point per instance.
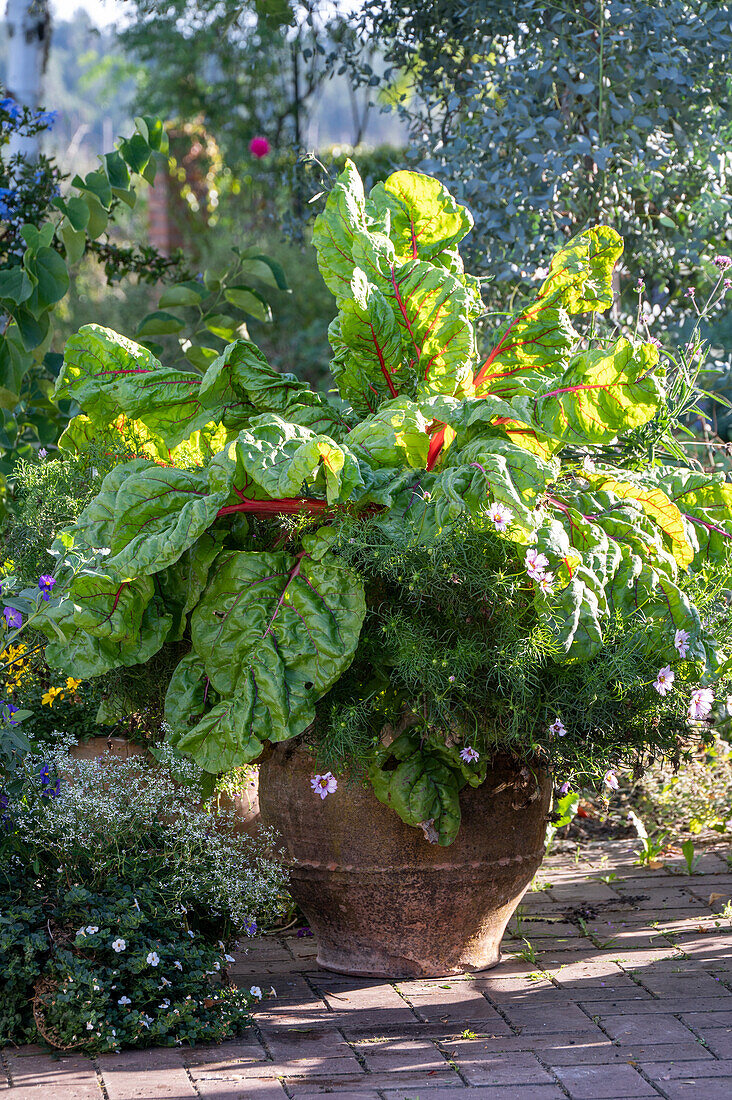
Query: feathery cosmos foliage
(197, 545)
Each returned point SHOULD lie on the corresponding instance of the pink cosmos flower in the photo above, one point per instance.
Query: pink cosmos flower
(546, 582)
(469, 754)
(324, 784)
(610, 780)
(535, 563)
(259, 147)
(558, 728)
(701, 703)
(500, 516)
(681, 641)
(665, 680)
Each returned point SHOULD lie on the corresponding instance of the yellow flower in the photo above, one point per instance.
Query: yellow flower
(49, 696)
(72, 684)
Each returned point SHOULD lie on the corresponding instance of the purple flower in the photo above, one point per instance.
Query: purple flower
(46, 583)
(727, 284)
(42, 453)
(722, 262)
(451, 679)
(664, 681)
(610, 780)
(564, 789)
(640, 285)
(49, 786)
(558, 728)
(251, 928)
(690, 292)
(302, 932)
(681, 642)
(9, 710)
(469, 754)
(13, 618)
(324, 784)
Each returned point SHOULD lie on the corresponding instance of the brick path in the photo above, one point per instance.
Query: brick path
(617, 983)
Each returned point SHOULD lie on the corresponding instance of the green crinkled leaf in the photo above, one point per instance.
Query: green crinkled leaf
(93, 529)
(240, 384)
(373, 367)
(78, 652)
(540, 339)
(580, 274)
(109, 607)
(425, 219)
(431, 309)
(108, 375)
(282, 460)
(422, 790)
(159, 513)
(705, 502)
(599, 396)
(396, 435)
(341, 224)
(284, 627)
(182, 583)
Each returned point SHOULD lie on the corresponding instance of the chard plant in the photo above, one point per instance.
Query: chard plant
(460, 554)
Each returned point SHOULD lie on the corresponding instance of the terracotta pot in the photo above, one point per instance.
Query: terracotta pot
(244, 805)
(380, 898)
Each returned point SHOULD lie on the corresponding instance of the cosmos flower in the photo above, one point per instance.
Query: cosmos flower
(558, 728)
(469, 754)
(324, 784)
(701, 703)
(535, 563)
(610, 780)
(500, 516)
(665, 680)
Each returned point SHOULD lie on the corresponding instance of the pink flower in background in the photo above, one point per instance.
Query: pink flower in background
(259, 147)
(500, 516)
(324, 784)
(610, 780)
(557, 727)
(546, 582)
(701, 703)
(681, 641)
(469, 754)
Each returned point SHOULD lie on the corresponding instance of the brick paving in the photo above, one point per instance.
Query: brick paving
(616, 983)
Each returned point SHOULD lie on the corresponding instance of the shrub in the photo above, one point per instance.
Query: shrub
(119, 894)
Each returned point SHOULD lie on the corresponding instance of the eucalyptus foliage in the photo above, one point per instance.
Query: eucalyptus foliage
(546, 118)
(263, 531)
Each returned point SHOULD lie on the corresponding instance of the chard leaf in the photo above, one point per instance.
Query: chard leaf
(705, 502)
(241, 384)
(599, 396)
(431, 309)
(425, 219)
(281, 459)
(396, 435)
(159, 513)
(108, 374)
(373, 367)
(422, 789)
(280, 627)
(182, 583)
(580, 274)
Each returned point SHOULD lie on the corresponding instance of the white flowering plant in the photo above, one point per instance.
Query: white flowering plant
(120, 899)
(474, 551)
(101, 970)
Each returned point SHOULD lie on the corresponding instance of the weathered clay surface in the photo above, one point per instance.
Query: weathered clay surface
(381, 900)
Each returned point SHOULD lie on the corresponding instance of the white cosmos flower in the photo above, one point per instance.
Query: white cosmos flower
(500, 516)
(665, 680)
(153, 958)
(701, 703)
(119, 945)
